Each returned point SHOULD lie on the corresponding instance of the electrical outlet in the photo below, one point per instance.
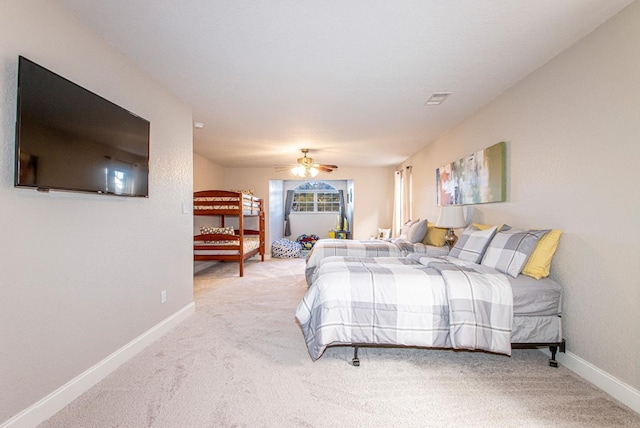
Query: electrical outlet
(163, 296)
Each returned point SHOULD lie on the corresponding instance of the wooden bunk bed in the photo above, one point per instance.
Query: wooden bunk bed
(244, 243)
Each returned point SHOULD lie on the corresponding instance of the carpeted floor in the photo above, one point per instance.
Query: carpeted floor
(241, 361)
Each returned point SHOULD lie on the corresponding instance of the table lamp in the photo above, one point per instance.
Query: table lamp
(451, 216)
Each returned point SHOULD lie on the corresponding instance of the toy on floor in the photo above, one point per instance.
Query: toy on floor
(307, 241)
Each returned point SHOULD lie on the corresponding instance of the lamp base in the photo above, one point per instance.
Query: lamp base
(451, 238)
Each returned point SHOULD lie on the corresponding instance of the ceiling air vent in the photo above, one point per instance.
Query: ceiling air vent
(437, 98)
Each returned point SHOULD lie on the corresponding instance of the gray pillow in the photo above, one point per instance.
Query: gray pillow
(509, 250)
(472, 244)
(417, 231)
(404, 232)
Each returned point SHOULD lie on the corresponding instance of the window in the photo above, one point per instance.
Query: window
(316, 197)
(119, 181)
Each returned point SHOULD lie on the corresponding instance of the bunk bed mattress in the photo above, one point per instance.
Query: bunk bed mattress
(248, 243)
(366, 248)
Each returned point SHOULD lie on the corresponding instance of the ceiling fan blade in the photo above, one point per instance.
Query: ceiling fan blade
(328, 166)
(324, 168)
(284, 167)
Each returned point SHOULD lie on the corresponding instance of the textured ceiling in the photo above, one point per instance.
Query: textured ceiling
(347, 79)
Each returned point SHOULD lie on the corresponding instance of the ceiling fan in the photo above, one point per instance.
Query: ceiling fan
(306, 167)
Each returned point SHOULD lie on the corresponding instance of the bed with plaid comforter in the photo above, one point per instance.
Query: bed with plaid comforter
(411, 301)
(396, 247)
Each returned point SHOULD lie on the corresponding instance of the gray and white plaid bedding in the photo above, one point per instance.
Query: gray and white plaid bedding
(410, 301)
(373, 248)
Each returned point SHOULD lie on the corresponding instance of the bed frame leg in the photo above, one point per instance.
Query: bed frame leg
(355, 361)
(552, 361)
(554, 349)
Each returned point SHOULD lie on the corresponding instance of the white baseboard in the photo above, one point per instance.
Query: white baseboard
(622, 392)
(58, 399)
(199, 266)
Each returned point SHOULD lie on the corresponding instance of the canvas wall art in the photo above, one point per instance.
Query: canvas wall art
(475, 179)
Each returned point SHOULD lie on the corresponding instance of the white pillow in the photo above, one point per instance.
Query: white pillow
(384, 233)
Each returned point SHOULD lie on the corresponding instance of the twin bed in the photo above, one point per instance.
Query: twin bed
(426, 300)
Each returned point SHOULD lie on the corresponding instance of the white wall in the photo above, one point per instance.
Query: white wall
(81, 273)
(207, 175)
(572, 130)
(276, 211)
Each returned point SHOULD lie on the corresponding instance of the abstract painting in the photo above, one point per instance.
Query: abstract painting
(475, 179)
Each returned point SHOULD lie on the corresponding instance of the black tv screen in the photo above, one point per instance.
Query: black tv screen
(68, 138)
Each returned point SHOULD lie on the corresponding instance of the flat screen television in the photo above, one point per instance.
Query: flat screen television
(68, 138)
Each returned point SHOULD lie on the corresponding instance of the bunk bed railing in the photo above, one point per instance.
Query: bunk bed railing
(224, 202)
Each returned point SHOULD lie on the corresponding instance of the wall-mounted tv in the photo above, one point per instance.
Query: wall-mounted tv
(68, 138)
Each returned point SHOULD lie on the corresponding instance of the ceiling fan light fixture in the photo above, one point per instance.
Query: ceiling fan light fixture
(306, 167)
(303, 171)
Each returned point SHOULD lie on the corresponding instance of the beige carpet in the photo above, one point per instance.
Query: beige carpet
(241, 361)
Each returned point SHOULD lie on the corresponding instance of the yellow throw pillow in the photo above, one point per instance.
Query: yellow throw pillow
(539, 262)
(487, 226)
(435, 236)
(481, 226)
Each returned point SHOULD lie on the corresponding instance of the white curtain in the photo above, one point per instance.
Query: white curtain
(397, 203)
(407, 191)
(402, 199)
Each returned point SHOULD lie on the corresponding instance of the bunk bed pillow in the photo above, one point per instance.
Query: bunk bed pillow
(510, 249)
(244, 191)
(206, 230)
(472, 244)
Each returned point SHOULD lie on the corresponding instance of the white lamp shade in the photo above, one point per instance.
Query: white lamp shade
(451, 216)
